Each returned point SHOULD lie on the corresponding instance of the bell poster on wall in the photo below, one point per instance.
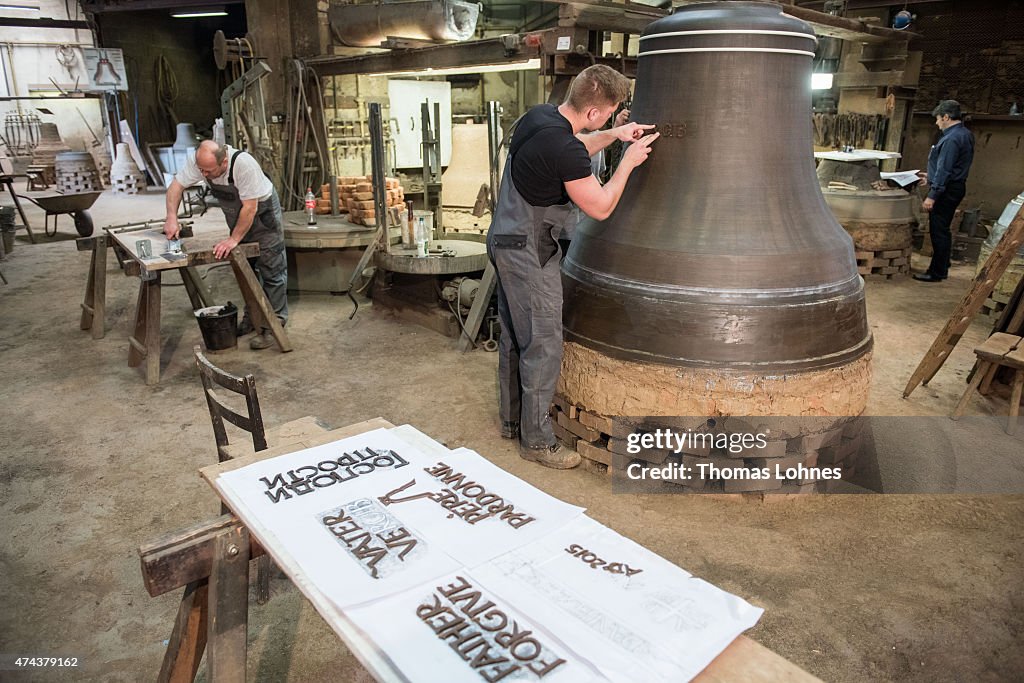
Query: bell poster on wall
(104, 67)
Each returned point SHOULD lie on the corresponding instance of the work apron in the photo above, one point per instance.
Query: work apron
(271, 266)
(522, 243)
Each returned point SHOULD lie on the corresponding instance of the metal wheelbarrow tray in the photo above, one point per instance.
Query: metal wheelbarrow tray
(74, 204)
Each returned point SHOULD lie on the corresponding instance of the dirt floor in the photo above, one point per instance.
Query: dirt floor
(94, 463)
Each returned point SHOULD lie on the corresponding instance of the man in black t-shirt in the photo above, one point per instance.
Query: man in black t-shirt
(547, 177)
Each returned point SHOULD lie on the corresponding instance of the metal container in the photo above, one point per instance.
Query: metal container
(722, 251)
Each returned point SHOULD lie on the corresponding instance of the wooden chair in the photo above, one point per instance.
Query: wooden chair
(210, 374)
(1000, 349)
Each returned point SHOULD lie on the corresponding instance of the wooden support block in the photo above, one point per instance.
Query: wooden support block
(594, 421)
(597, 452)
(564, 405)
(564, 435)
(574, 426)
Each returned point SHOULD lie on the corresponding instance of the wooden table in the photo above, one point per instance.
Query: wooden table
(210, 560)
(144, 342)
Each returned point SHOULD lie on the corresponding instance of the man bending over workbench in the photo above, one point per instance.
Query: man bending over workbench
(252, 210)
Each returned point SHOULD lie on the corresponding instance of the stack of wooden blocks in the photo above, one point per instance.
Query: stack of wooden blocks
(884, 264)
(602, 442)
(72, 181)
(355, 197)
(127, 184)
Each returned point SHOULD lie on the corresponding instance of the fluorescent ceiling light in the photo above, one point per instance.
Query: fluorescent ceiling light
(21, 8)
(821, 81)
(454, 70)
(200, 13)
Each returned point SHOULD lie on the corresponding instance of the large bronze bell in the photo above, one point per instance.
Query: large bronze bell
(722, 252)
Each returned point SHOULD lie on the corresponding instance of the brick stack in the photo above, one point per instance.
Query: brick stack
(883, 265)
(76, 172)
(602, 442)
(355, 196)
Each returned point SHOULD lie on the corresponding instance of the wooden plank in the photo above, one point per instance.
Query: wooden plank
(253, 293)
(969, 305)
(470, 53)
(185, 556)
(198, 248)
(229, 607)
(608, 16)
(188, 638)
(749, 661)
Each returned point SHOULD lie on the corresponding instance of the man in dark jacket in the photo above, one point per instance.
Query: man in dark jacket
(948, 164)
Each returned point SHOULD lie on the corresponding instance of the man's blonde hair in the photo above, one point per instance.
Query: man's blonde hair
(597, 86)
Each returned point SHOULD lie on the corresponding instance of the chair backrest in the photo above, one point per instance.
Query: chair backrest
(220, 411)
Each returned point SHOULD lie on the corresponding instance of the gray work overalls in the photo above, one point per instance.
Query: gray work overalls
(267, 229)
(522, 243)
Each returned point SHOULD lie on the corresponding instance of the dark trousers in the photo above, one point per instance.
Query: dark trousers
(530, 348)
(939, 220)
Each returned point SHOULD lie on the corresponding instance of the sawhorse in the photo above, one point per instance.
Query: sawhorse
(144, 343)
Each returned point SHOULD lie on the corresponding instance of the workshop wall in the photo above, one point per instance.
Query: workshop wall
(189, 83)
(29, 58)
(997, 174)
(974, 53)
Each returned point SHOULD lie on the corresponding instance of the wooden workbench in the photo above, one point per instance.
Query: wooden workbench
(144, 342)
(187, 558)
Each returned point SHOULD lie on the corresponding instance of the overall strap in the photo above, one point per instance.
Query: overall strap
(231, 167)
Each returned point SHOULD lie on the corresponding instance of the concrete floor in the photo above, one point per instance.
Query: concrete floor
(94, 463)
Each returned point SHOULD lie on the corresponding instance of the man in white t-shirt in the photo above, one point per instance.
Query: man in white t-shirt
(252, 210)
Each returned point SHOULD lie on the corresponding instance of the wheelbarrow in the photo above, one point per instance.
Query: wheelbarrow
(74, 204)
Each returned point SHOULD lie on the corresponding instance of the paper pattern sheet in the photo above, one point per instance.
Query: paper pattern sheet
(456, 631)
(635, 615)
(371, 515)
